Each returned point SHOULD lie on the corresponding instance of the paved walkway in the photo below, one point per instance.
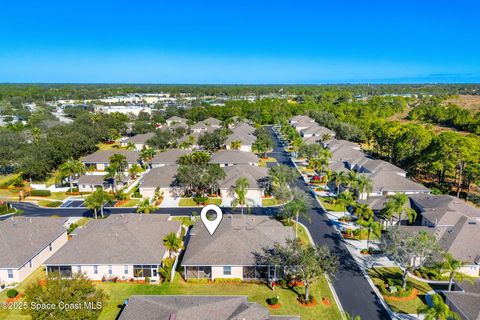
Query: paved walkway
(170, 202)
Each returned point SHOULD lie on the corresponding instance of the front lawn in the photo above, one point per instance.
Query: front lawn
(259, 293)
(330, 207)
(50, 204)
(6, 178)
(268, 202)
(263, 161)
(189, 202)
(380, 275)
(302, 234)
(128, 203)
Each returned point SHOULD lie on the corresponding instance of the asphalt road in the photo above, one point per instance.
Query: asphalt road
(353, 290)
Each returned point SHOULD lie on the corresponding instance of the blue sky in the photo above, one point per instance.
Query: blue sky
(235, 41)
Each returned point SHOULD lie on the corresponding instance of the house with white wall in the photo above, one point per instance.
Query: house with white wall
(232, 157)
(256, 176)
(122, 246)
(140, 141)
(163, 178)
(100, 159)
(25, 244)
(231, 251)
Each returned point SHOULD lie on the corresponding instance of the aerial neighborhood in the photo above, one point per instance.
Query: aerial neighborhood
(313, 215)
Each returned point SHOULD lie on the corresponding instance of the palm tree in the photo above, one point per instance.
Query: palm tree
(337, 178)
(363, 185)
(439, 310)
(345, 199)
(318, 164)
(363, 212)
(70, 169)
(351, 179)
(145, 207)
(451, 266)
(97, 200)
(235, 145)
(298, 206)
(146, 155)
(173, 243)
(130, 145)
(396, 205)
(134, 170)
(372, 226)
(241, 189)
(117, 165)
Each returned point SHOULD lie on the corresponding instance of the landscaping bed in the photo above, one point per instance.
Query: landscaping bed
(268, 202)
(189, 202)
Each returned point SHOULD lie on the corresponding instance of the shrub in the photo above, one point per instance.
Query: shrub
(228, 280)
(12, 293)
(272, 301)
(200, 199)
(3, 208)
(199, 280)
(282, 282)
(73, 190)
(40, 193)
(72, 227)
(311, 299)
(54, 204)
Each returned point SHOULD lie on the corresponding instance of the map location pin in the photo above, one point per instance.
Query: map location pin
(211, 225)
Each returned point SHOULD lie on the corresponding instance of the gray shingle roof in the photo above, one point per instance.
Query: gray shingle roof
(243, 128)
(169, 156)
(233, 157)
(462, 239)
(245, 139)
(347, 153)
(177, 119)
(91, 179)
(162, 177)
(301, 118)
(317, 131)
(375, 203)
(118, 239)
(235, 241)
(467, 304)
(385, 180)
(196, 308)
(255, 175)
(141, 138)
(103, 156)
(22, 238)
(374, 165)
(335, 144)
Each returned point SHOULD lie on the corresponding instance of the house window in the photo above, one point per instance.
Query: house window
(227, 271)
(10, 273)
(95, 269)
(125, 269)
(110, 270)
(30, 263)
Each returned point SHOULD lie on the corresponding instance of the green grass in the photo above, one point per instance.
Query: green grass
(82, 221)
(379, 275)
(263, 162)
(50, 204)
(302, 234)
(329, 206)
(188, 202)
(186, 221)
(108, 146)
(8, 177)
(119, 292)
(267, 202)
(130, 203)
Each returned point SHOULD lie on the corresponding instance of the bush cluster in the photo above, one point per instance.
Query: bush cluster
(40, 193)
(12, 293)
(228, 280)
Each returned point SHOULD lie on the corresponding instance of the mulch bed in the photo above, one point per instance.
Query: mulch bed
(311, 304)
(326, 301)
(412, 296)
(275, 306)
(9, 300)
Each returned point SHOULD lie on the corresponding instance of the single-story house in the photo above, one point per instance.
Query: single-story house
(122, 246)
(162, 178)
(232, 251)
(25, 244)
(302, 125)
(256, 176)
(174, 120)
(465, 302)
(348, 155)
(232, 157)
(367, 165)
(243, 128)
(190, 139)
(167, 157)
(101, 158)
(139, 140)
(163, 307)
(300, 118)
(317, 131)
(207, 125)
(246, 141)
(90, 182)
(335, 144)
(386, 182)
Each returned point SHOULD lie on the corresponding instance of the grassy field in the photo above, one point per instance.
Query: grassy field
(188, 202)
(379, 275)
(266, 202)
(330, 207)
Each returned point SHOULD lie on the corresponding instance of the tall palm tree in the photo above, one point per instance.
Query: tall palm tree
(372, 226)
(452, 266)
(439, 310)
(130, 145)
(299, 205)
(338, 177)
(134, 170)
(318, 164)
(351, 180)
(363, 185)
(116, 167)
(173, 243)
(146, 155)
(345, 199)
(363, 212)
(241, 189)
(97, 200)
(70, 169)
(397, 205)
(235, 145)
(145, 207)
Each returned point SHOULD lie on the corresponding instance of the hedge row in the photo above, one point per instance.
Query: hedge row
(40, 193)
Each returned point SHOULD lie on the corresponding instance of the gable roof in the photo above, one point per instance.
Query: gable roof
(162, 177)
(195, 308)
(118, 239)
(234, 157)
(465, 303)
(235, 242)
(374, 165)
(301, 118)
(462, 239)
(335, 144)
(141, 138)
(243, 128)
(169, 156)
(91, 179)
(255, 175)
(22, 238)
(347, 153)
(317, 131)
(385, 180)
(186, 138)
(103, 156)
(177, 119)
(245, 139)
